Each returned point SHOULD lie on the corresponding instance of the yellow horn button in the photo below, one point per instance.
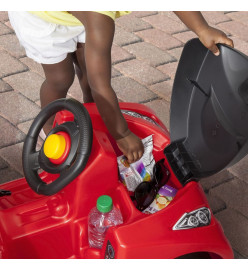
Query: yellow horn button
(54, 146)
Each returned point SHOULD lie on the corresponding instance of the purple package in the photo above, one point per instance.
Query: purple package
(167, 191)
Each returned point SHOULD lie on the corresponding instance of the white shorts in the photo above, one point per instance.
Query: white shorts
(45, 42)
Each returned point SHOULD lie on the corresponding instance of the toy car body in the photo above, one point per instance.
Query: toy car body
(38, 226)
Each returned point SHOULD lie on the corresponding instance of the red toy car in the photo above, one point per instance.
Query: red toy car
(46, 214)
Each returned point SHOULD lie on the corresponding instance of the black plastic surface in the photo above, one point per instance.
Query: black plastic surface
(77, 158)
(209, 111)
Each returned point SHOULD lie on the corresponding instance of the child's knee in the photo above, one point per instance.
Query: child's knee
(61, 81)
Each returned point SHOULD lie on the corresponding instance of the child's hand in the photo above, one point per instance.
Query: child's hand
(131, 147)
(210, 36)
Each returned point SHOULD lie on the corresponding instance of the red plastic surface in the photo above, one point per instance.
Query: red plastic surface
(37, 226)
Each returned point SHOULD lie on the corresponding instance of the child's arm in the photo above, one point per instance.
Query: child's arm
(99, 37)
(209, 36)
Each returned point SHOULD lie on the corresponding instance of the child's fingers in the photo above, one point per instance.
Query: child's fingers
(214, 49)
(135, 156)
(140, 154)
(225, 40)
(228, 42)
(130, 158)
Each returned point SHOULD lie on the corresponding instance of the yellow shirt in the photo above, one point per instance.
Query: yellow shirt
(65, 18)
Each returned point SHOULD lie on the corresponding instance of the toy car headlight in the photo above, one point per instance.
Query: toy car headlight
(197, 218)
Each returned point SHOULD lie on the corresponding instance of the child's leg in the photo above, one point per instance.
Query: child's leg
(59, 78)
(81, 73)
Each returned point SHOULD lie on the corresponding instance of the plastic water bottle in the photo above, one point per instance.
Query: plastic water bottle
(100, 218)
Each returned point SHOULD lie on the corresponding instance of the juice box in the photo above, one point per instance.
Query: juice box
(164, 196)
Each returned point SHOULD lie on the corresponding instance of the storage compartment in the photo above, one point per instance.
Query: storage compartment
(122, 200)
(158, 156)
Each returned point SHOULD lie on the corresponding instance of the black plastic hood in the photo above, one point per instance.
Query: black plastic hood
(209, 111)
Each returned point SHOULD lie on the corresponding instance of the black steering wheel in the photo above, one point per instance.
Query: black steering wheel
(81, 134)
